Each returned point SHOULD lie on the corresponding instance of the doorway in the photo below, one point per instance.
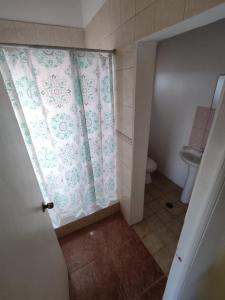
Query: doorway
(142, 117)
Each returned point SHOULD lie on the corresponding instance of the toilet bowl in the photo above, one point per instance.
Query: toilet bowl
(151, 167)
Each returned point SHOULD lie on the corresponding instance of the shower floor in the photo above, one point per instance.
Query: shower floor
(108, 260)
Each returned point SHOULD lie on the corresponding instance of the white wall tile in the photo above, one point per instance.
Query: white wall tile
(45, 35)
(125, 86)
(7, 32)
(26, 32)
(127, 10)
(124, 122)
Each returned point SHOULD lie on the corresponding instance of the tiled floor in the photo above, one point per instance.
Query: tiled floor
(108, 261)
(161, 227)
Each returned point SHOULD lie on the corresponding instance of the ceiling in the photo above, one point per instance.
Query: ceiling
(76, 13)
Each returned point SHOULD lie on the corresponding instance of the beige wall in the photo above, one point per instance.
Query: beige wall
(120, 24)
(40, 34)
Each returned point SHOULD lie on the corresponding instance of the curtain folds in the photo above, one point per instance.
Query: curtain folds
(63, 102)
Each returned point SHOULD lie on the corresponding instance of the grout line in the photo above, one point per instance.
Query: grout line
(148, 5)
(156, 282)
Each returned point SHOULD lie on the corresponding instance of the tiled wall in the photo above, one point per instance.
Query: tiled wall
(119, 24)
(201, 127)
(32, 33)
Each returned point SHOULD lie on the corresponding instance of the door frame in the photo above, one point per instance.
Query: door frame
(145, 68)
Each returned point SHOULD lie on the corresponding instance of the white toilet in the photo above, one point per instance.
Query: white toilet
(151, 167)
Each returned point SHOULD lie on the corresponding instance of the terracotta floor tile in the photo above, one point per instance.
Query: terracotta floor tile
(96, 281)
(116, 231)
(82, 247)
(156, 291)
(136, 269)
(108, 261)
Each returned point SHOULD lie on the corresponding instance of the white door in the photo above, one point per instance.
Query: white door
(32, 266)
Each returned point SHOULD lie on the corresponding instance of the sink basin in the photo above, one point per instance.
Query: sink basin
(191, 156)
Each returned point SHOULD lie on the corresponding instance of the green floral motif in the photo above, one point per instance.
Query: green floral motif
(85, 152)
(9, 85)
(48, 57)
(26, 133)
(108, 120)
(62, 126)
(27, 92)
(110, 185)
(53, 182)
(85, 60)
(106, 89)
(109, 146)
(76, 204)
(40, 129)
(68, 154)
(77, 91)
(96, 147)
(60, 200)
(56, 90)
(104, 60)
(92, 121)
(17, 55)
(68, 71)
(89, 90)
(99, 189)
(90, 197)
(72, 177)
(97, 170)
(47, 158)
(2, 56)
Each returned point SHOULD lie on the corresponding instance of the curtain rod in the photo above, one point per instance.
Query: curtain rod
(57, 47)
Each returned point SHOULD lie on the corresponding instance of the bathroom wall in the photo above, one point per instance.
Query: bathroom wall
(119, 24)
(187, 70)
(40, 34)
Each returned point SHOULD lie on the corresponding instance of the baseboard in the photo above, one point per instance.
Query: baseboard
(88, 220)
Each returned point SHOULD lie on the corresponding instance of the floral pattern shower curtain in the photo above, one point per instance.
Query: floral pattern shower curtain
(63, 102)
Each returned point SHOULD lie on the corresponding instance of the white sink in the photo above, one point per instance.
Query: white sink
(192, 158)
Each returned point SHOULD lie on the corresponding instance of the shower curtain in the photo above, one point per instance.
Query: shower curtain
(63, 102)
